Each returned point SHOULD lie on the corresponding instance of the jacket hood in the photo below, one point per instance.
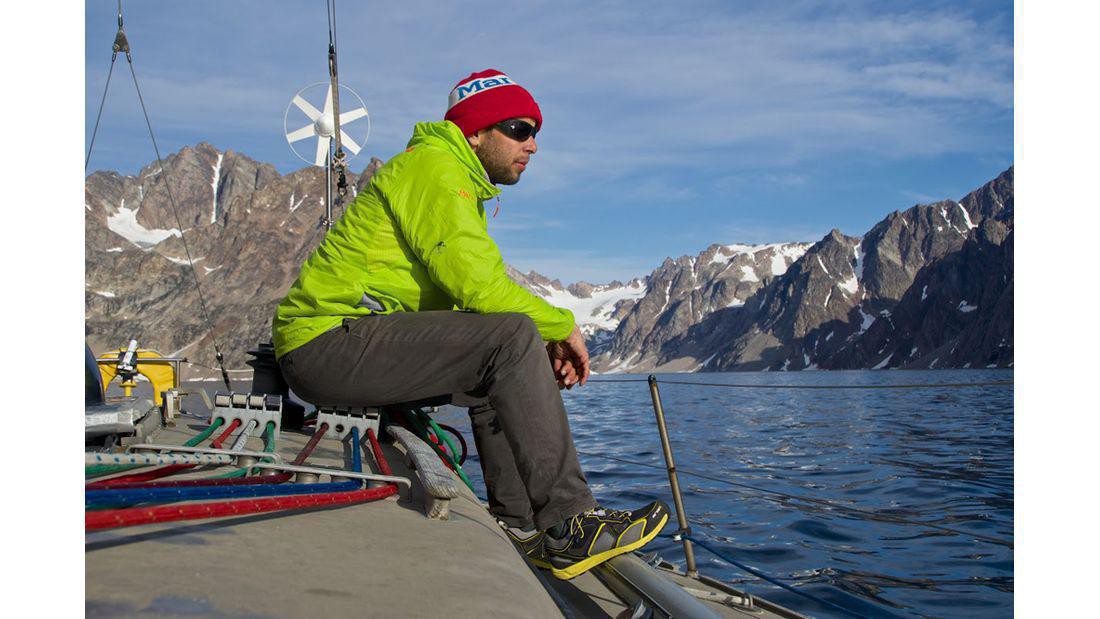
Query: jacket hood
(447, 136)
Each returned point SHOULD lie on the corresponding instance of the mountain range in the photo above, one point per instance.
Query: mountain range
(929, 287)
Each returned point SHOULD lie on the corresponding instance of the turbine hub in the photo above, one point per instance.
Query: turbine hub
(324, 126)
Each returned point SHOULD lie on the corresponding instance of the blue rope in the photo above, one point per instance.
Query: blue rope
(770, 579)
(128, 497)
(356, 458)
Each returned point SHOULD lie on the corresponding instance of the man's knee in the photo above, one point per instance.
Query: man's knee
(521, 329)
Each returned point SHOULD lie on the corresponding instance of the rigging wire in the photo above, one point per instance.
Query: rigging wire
(175, 213)
(334, 78)
(99, 114)
(122, 44)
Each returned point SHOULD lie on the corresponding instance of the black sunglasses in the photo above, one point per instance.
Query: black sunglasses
(517, 129)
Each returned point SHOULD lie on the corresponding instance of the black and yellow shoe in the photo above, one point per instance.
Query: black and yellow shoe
(530, 544)
(601, 534)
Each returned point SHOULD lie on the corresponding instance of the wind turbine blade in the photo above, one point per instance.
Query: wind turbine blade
(310, 111)
(350, 115)
(322, 151)
(349, 143)
(301, 134)
(328, 102)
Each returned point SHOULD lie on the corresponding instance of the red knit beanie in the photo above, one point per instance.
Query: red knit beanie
(487, 98)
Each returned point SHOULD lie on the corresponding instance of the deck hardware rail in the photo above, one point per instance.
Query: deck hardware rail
(317, 470)
(206, 450)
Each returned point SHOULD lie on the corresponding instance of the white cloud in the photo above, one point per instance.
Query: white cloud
(623, 87)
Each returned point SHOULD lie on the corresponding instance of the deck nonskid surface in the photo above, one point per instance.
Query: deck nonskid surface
(382, 558)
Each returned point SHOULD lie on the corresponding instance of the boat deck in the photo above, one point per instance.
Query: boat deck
(382, 558)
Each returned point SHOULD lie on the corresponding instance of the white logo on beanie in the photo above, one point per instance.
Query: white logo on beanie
(477, 86)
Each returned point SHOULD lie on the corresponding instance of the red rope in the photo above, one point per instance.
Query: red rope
(318, 434)
(383, 466)
(188, 483)
(135, 479)
(217, 444)
(109, 519)
(112, 518)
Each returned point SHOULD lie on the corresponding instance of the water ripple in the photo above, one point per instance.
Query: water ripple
(834, 474)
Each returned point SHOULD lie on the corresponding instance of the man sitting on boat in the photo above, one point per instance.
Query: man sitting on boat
(371, 321)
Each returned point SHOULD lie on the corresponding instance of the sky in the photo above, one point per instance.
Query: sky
(667, 126)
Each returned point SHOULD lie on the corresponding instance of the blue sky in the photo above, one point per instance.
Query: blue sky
(668, 126)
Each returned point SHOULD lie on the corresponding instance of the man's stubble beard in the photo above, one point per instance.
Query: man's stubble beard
(497, 163)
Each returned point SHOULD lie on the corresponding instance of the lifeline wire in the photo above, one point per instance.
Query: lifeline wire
(993, 383)
(851, 510)
(770, 579)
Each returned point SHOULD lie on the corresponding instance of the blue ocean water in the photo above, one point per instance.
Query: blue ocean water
(821, 488)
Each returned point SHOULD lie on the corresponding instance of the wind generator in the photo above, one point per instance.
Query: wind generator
(331, 129)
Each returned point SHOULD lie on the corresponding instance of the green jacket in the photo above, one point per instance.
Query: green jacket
(415, 239)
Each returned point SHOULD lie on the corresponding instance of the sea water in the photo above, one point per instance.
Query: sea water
(823, 489)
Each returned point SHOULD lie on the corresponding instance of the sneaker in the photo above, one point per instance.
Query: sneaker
(601, 534)
(530, 544)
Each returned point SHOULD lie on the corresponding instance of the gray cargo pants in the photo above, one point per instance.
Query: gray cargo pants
(495, 364)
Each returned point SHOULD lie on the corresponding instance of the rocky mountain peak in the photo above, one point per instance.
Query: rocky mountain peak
(930, 286)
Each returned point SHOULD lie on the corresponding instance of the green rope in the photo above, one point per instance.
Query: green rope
(446, 436)
(233, 473)
(269, 447)
(99, 470)
(205, 434)
(417, 419)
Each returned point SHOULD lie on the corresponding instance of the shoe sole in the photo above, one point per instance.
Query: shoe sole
(582, 566)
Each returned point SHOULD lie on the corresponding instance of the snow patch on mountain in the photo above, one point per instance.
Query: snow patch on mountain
(294, 205)
(597, 309)
(867, 321)
(966, 308)
(125, 224)
(214, 186)
(727, 252)
(181, 260)
(970, 225)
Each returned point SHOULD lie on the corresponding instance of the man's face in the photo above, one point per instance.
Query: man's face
(504, 158)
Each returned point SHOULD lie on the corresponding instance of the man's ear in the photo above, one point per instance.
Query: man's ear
(475, 138)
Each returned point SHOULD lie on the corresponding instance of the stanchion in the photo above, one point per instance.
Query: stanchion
(681, 515)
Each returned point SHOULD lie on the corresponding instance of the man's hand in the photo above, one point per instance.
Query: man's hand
(564, 371)
(569, 358)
